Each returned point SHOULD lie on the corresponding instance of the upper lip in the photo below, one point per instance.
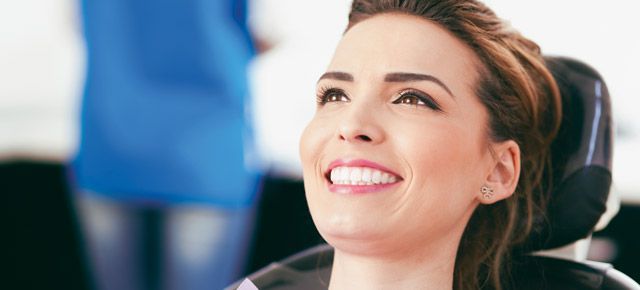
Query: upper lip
(359, 163)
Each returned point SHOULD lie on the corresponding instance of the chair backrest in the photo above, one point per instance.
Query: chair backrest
(581, 181)
(581, 158)
(311, 269)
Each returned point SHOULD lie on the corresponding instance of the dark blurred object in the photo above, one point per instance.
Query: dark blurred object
(283, 223)
(40, 246)
(624, 232)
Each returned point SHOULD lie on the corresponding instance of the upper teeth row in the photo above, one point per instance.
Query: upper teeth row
(360, 176)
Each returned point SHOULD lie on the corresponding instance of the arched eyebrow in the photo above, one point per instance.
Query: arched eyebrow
(413, 77)
(396, 77)
(337, 75)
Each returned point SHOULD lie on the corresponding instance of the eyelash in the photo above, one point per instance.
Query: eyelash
(326, 92)
(426, 100)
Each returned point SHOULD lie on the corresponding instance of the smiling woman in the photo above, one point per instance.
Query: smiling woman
(424, 161)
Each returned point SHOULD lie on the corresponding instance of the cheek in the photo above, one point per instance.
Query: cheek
(441, 156)
(439, 149)
(313, 144)
(440, 196)
(310, 144)
(446, 165)
(314, 138)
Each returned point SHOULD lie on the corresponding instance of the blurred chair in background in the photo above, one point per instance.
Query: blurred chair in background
(165, 186)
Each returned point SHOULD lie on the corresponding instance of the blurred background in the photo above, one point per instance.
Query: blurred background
(43, 68)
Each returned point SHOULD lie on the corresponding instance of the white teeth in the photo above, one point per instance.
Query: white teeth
(385, 178)
(366, 175)
(344, 173)
(334, 174)
(376, 177)
(360, 176)
(356, 175)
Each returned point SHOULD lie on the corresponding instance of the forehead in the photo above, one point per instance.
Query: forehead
(399, 42)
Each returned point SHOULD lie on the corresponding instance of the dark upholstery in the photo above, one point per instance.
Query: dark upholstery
(311, 269)
(581, 157)
(558, 274)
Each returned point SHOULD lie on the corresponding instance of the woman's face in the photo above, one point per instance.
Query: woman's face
(398, 149)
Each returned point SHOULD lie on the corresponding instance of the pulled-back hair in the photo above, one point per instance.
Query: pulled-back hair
(523, 102)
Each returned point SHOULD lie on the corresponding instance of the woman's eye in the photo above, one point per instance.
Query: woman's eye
(336, 98)
(416, 99)
(411, 100)
(331, 96)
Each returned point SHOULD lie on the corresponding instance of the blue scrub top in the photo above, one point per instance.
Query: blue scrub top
(163, 114)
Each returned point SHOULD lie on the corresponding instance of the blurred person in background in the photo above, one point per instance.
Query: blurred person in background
(165, 186)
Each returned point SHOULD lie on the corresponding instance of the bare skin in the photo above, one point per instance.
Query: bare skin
(398, 99)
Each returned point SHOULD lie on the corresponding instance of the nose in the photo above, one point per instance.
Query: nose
(359, 125)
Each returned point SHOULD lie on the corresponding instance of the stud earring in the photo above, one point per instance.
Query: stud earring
(487, 192)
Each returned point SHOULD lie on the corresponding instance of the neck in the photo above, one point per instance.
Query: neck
(427, 270)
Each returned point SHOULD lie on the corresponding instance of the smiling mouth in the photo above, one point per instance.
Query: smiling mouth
(363, 176)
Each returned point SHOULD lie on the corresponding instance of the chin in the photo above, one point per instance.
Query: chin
(352, 234)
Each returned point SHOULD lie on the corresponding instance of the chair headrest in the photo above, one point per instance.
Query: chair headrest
(581, 157)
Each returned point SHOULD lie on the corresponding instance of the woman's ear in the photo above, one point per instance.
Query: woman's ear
(503, 176)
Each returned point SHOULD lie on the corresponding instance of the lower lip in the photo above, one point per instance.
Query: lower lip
(359, 189)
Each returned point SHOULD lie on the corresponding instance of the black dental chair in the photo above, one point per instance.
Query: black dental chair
(581, 154)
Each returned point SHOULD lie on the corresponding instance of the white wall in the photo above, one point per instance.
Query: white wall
(41, 68)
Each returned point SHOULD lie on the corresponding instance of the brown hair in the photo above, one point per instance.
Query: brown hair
(523, 102)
